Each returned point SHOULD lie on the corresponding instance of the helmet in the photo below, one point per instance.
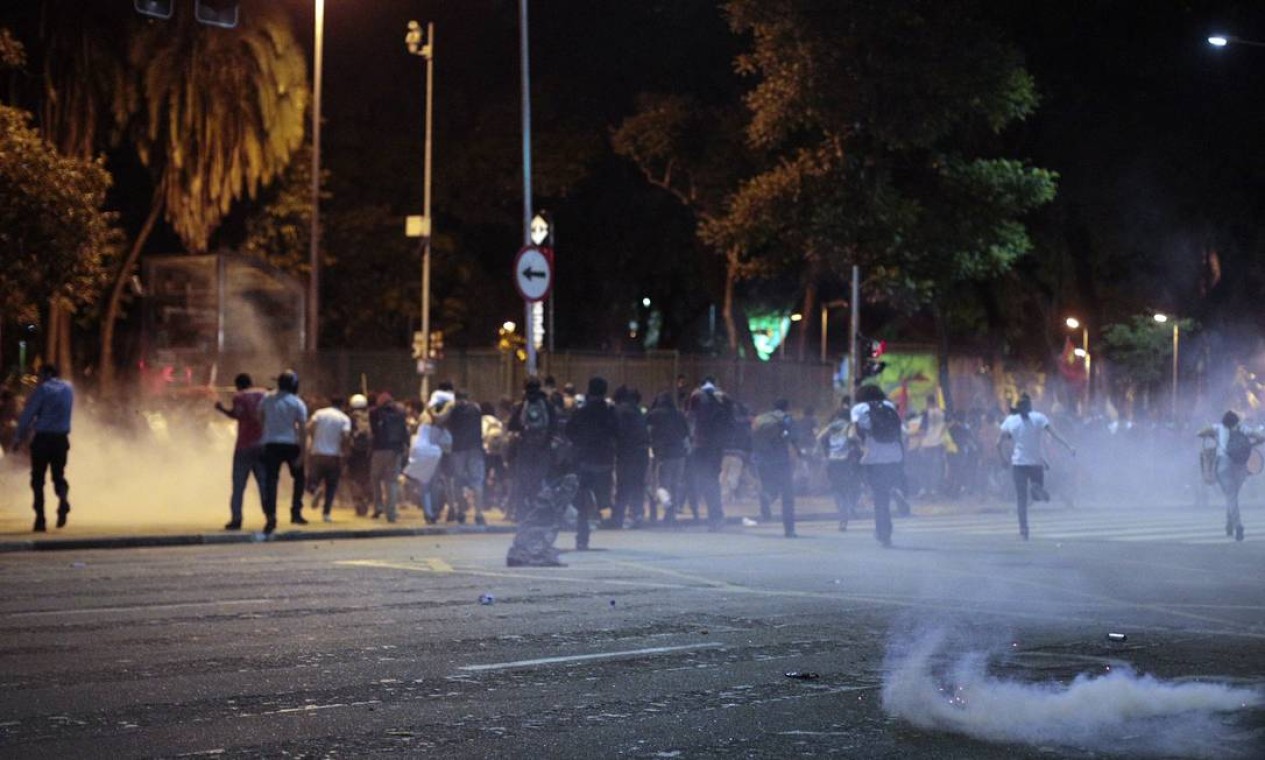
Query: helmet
(359, 401)
(288, 381)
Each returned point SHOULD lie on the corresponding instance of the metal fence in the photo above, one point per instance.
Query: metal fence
(489, 375)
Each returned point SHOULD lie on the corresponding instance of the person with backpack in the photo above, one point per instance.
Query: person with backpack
(593, 431)
(710, 414)
(468, 466)
(669, 442)
(532, 426)
(772, 437)
(843, 461)
(359, 454)
(1026, 429)
(1234, 448)
(390, 445)
(880, 431)
(632, 459)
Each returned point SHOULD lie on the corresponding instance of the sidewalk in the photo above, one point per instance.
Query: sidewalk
(84, 532)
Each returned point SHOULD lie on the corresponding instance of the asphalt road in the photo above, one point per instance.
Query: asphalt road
(655, 645)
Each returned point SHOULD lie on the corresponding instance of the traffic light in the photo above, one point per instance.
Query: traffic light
(222, 13)
(154, 8)
(437, 344)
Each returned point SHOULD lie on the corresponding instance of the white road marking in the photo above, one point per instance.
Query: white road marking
(587, 657)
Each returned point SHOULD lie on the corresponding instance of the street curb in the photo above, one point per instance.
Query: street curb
(247, 537)
(252, 537)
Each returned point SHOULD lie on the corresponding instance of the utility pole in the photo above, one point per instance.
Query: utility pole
(427, 51)
(854, 361)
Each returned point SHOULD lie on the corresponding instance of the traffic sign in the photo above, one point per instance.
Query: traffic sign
(533, 273)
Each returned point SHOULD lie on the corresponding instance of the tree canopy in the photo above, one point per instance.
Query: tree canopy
(881, 124)
(55, 236)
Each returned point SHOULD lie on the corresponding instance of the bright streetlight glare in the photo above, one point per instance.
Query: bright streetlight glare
(1161, 318)
(1218, 40)
(1079, 353)
(796, 317)
(645, 302)
(1073, 323)
(508, 327)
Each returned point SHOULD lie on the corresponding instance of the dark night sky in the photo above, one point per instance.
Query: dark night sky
(1154, 133)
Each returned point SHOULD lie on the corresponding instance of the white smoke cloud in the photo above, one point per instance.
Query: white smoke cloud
(937, 680)
(164, 464)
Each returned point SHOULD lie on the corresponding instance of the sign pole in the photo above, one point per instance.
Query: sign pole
(527, 203)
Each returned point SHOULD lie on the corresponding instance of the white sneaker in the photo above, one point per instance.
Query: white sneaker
(327, 518)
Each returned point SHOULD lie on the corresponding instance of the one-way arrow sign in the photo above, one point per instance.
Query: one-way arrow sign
(533, 273)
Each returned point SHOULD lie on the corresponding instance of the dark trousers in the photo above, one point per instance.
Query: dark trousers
(276, 454)
(246, 462)
(882, 478)
(669, 474)
(776, 482)
(327, 470)
(843, 476)
(704, 465)
(49, 452)
(593, 496)
(1026, 476)
(630, 489)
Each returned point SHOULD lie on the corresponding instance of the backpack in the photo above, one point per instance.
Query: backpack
(535, 421)
(361, 438)
(493, 436)
(769, 430)
(713, 419)
(884, 423)
(1238, 447)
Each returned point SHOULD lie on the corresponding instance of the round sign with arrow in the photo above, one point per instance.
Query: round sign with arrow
(533, 273)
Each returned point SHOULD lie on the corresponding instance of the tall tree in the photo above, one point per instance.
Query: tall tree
(882, 117)
(214, 114)
(696, 154)
(56, 237)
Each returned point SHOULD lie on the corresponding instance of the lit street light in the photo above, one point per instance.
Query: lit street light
(1083, 353)
(1224, 40)
(1162, 319)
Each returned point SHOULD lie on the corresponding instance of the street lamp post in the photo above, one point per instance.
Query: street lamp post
(1161, 319)
(314, 244)
(1083, 353)
(426, 50)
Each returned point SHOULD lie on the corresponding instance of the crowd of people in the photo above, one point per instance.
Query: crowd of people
(683, 456)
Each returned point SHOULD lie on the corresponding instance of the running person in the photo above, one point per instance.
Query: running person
(1234, 448)
(1024, 427)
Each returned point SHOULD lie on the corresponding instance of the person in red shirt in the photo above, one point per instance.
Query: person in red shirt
(248, 454)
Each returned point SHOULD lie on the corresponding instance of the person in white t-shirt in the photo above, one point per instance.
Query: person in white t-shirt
(879, 427)
(1026, 429)
(329, 435)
